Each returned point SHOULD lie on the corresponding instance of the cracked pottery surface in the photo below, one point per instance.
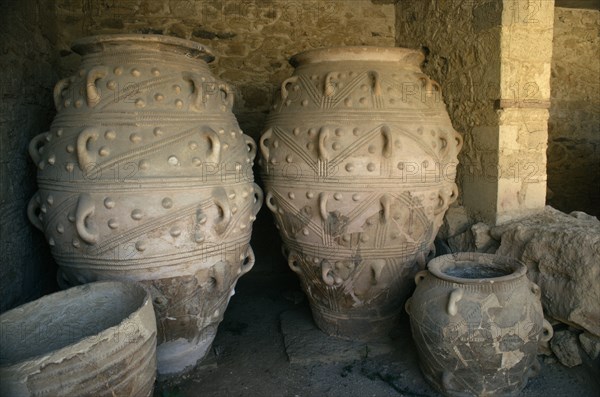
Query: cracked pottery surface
(98, 339)
(477, 322)
(359, 162)
(145, 175)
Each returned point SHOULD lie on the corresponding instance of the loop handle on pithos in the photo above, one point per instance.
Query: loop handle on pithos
(249, 261)
(83, 154)
(93, 95)
(293, 259)
(213, 153)
(251, 145)
(86, 228)
(258, 199)
(420, 276)
(220, 200)
(455, 296)
(547, 332)
(35, 145)
(32, 209)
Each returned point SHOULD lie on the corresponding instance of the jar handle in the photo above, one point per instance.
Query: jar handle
(32, 209)
(293, 259)
(386, 203)
(220, 200)
(263, 145)
(85, 209)
(387, 144)
(58, 90)
(269, 202)
(213, 154)
(323, 135)
(249, 261)
(535, 289)
(455, 296)
(323, 197)
(258, 199)
(229, 95)
(420, 276)
(251, 145)
(446, 200)
(83, 155)
(284, 90)
(34, 147)
(547, 332)
(407, 305)
(93, 96)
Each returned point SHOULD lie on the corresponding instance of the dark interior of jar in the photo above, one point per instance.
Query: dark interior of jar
(475, 270)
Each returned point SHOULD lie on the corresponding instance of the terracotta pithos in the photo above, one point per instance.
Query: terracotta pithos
(477, 322)
(359, 161)
(145, 175)
(94, 340)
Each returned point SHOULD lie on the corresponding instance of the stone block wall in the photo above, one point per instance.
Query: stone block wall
(28, 65)
(574, 125)
(458, 37)
(253, 39)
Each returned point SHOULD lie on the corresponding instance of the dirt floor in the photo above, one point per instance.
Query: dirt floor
(249, 356)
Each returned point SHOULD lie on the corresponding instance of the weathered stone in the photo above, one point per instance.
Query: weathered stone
(475, 239)
(590, 344)
(484, 242)
(463, 242)
(582, 215)
(565, 348)
(305, 344)
(562, 256)
(456, 221)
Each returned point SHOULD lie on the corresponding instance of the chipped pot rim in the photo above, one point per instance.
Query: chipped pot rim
(440, 265)
(358, 53)
(188, 48)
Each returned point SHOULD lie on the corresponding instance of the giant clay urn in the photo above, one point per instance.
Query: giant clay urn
(359, 160)
(145, 175)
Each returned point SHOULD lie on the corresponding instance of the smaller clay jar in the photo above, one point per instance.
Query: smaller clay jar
(477, 322)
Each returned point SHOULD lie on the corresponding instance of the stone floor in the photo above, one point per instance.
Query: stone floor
(269, 314)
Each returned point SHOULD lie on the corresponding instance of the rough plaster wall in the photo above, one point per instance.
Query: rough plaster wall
(574, 125)
(26, 82)
(253, 39)
(459, 37)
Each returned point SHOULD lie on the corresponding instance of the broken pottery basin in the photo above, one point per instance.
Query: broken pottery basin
(477, 322)
(94, 340)
(145, 175)
(359, 160)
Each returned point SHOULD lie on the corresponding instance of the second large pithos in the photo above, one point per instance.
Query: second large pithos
(359, 160)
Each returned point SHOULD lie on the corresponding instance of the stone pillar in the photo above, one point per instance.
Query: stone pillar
(492, 59)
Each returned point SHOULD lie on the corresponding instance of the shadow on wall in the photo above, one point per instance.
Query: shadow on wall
(574, 124)
(28, 61)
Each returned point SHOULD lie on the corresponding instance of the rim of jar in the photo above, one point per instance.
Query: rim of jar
(358, 53)
(188, 48)
(514, 268)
